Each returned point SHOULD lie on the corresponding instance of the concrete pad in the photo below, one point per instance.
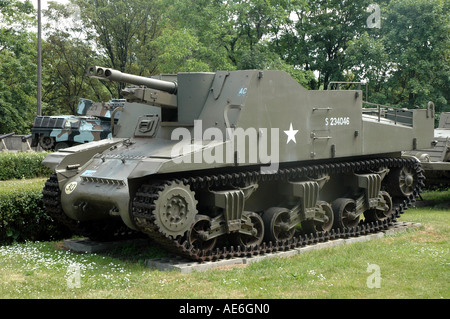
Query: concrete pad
(278, 254)
(363, 238)
(179, 264)
(401, 226)
(86, 245)
(186, 266)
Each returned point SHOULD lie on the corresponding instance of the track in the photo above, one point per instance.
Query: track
(144, 206)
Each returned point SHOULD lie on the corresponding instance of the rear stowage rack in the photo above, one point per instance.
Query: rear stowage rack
(384, 112)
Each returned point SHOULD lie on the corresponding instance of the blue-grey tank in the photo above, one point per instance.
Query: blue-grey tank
(92, 124)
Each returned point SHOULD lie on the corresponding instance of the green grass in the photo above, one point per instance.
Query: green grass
(437, 199)
(413, 264)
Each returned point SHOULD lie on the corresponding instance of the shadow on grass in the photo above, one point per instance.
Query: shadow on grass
(132, 250)
(439, 199)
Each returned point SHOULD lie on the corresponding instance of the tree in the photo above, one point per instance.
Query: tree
(67, 55)
(406, 60)
(179, 51)
(206, 21)
(319, 34)
(232, 34)
(17, 67)
(251, 23)
(366, 60)
(416, 39)
(123, 31)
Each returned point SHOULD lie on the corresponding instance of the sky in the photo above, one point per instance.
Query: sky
(44, 4)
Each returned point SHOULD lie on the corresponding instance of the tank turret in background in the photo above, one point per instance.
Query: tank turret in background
(102, 110)
(215, 165)
(62, 131)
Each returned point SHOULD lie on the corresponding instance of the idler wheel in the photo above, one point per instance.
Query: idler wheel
(175, 209)
(402, 181)
(277, 223)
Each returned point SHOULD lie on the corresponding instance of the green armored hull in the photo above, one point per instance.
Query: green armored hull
(246, 158)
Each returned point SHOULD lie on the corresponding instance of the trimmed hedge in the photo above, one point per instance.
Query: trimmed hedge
(22, 213)
(22, 165)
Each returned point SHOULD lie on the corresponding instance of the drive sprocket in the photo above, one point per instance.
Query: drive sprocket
(173, 207)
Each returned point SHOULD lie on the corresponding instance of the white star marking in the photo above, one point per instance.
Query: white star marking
(291, 134)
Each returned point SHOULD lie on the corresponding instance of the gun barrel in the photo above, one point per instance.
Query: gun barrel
(114, 75)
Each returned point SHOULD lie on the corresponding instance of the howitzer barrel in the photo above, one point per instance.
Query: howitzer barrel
(114, 75)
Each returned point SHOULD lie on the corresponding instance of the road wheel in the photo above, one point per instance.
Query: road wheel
(344, 210)
(276, 224)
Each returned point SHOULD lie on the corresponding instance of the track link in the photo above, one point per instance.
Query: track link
(143, 207)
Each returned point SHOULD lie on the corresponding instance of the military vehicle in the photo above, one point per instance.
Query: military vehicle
(93, 124)
(436, 159)
(238, 163)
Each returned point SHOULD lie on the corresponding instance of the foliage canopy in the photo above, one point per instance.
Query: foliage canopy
(404, 62)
